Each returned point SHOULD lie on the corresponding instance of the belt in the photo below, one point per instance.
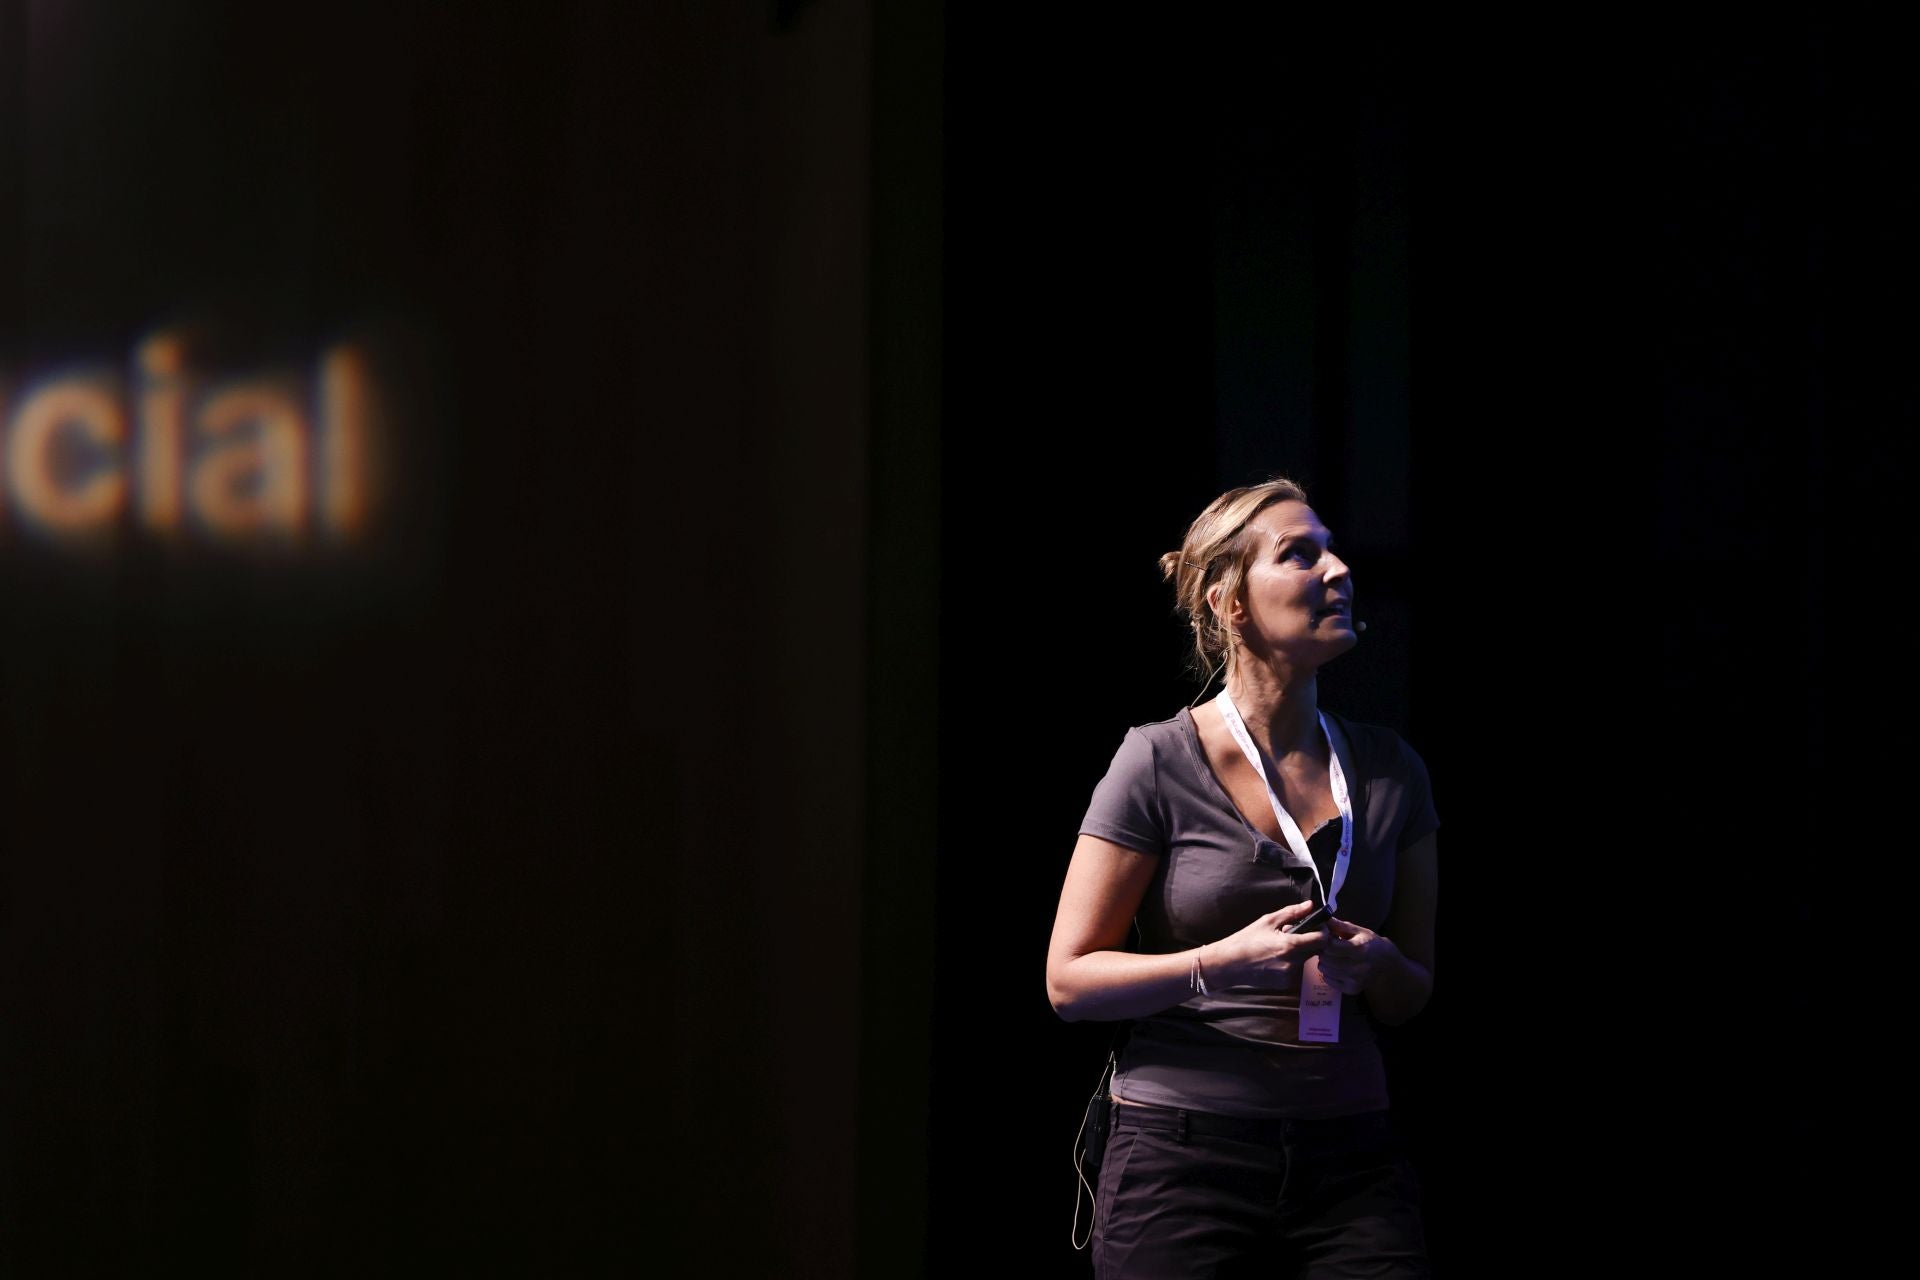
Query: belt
(1273, 1131)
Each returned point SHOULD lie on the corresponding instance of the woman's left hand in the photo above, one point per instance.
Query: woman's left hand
(1352, 956)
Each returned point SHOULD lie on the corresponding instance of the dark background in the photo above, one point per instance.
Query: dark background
(642, 848)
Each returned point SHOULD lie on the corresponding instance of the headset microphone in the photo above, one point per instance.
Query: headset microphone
(1359, 626)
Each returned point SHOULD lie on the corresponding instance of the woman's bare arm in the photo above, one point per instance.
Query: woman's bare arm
(1395, 966)
(1090, 977)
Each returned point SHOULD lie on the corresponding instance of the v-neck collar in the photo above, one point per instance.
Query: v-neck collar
(1342, 747)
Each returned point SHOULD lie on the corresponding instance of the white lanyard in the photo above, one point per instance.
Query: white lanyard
(1336, 777)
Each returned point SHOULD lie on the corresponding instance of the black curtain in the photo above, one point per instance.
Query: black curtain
(1581, 339)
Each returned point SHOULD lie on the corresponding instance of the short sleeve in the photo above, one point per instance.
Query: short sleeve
(1422, 819)
(1126, 805)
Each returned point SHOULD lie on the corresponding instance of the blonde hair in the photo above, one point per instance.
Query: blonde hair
(1217, 550)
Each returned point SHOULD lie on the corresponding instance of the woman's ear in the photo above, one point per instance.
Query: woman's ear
(1229, 616)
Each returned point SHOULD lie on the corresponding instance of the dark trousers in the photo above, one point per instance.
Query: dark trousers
(1190, 1195)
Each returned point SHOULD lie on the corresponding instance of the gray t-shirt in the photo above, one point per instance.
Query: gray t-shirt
(1239, 1052)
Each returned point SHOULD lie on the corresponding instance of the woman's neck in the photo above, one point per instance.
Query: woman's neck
(1282, 713)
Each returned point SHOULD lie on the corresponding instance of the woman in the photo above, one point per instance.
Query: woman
(1249, 1120)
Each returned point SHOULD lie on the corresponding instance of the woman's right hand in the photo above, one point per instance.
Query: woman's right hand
(1261, 955)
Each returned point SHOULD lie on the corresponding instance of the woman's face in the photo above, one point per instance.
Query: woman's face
(1296, 594)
